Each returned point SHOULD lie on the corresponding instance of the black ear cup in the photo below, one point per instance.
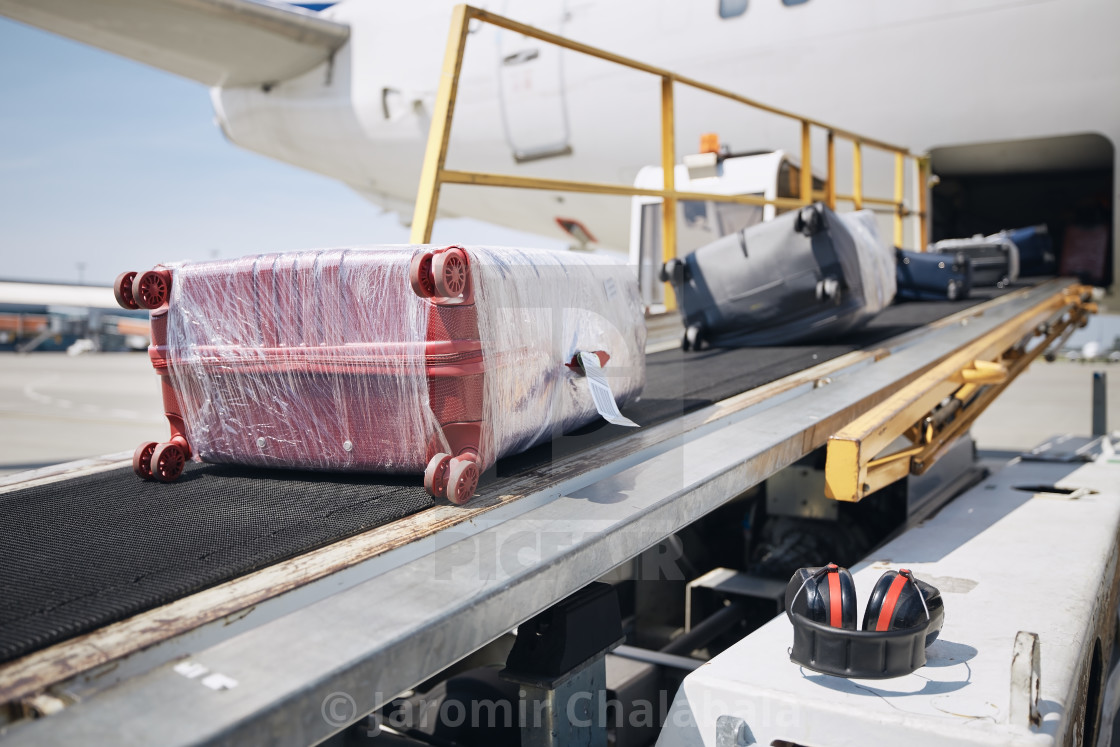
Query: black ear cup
(896, 603)
(875, 617)
(824, 594)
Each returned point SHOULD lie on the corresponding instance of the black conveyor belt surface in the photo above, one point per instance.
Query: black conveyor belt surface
(81, 553)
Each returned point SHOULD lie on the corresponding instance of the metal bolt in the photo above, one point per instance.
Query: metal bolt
(261, 442)
(347, 446)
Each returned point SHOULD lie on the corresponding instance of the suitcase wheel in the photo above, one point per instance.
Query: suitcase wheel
(462, 480)
(167, 462)
(828, 289)
(675, 271)
(151, 289)
(435, 475)
(450, 272)
(808, 221)
(693, 338)
(142, 460)
(122, 289)
(420, 275)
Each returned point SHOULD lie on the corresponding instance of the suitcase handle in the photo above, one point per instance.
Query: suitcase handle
(576, 366)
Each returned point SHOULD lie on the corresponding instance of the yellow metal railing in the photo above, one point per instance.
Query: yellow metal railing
(434, 174)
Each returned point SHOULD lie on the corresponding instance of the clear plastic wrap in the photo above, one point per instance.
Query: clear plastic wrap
(332, 359)
(877, 261)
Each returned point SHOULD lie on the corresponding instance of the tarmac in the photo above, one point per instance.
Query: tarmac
(58, 408)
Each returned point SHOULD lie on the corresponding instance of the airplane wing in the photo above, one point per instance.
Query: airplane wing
(50, 294)
(216, 42)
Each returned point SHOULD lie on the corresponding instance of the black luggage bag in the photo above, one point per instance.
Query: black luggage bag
(794, 278)
(930, 276)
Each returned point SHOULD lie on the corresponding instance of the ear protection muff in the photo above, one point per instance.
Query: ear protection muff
(829, 595)
(900, 601)
(903, 616)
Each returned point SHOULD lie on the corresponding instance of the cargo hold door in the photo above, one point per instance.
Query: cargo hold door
(531, 83)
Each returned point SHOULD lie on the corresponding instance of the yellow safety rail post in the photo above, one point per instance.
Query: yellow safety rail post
(923, 198)
(830, 178)
(434, 173)
(941, 404)
(669, 182)
(899, 194)
(857, 175)
(435, 156)
(806, 190)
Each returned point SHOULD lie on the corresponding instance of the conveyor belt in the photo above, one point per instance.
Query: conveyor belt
(89, 551)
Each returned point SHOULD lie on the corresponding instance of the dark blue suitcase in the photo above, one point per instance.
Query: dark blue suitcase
(1036, 250)
(929, 276)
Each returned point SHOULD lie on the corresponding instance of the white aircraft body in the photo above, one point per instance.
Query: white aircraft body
(347, 89)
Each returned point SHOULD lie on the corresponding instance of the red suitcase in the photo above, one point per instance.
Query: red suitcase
(407, 359)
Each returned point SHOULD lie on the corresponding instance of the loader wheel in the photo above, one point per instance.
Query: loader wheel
(435, 475)
(168, 461)
(462, 480)
(420, 275)
(142, 460)
(122, 289)
(451, 273)
(151, 289)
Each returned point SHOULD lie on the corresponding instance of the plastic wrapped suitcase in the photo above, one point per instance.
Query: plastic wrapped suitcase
(995, 259)
(807, 274)
(1036, 249)
(393, 359)
(929, 276)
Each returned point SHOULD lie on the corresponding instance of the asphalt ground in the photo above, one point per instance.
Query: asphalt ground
(57, 408)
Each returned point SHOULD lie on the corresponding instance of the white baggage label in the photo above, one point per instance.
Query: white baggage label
(601, 391)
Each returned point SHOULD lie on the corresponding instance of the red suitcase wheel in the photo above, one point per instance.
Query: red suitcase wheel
(462, 479)
(122, 289)
(435, 475)
(451, 273)
(142, 460)
(168, 461)
(151, 289)
(420, 275)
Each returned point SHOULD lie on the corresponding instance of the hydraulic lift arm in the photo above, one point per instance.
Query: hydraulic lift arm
(937, 407)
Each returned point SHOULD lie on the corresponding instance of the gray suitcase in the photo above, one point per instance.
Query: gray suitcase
(792, 279)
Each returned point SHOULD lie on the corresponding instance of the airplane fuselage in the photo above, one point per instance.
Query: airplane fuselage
(924, 74)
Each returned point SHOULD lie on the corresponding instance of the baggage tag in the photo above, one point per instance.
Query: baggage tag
(601, 391)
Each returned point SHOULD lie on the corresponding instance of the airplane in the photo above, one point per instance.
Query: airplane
(1013, 99)
(32, 314)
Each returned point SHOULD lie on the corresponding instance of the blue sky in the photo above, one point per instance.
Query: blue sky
(116, 165)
